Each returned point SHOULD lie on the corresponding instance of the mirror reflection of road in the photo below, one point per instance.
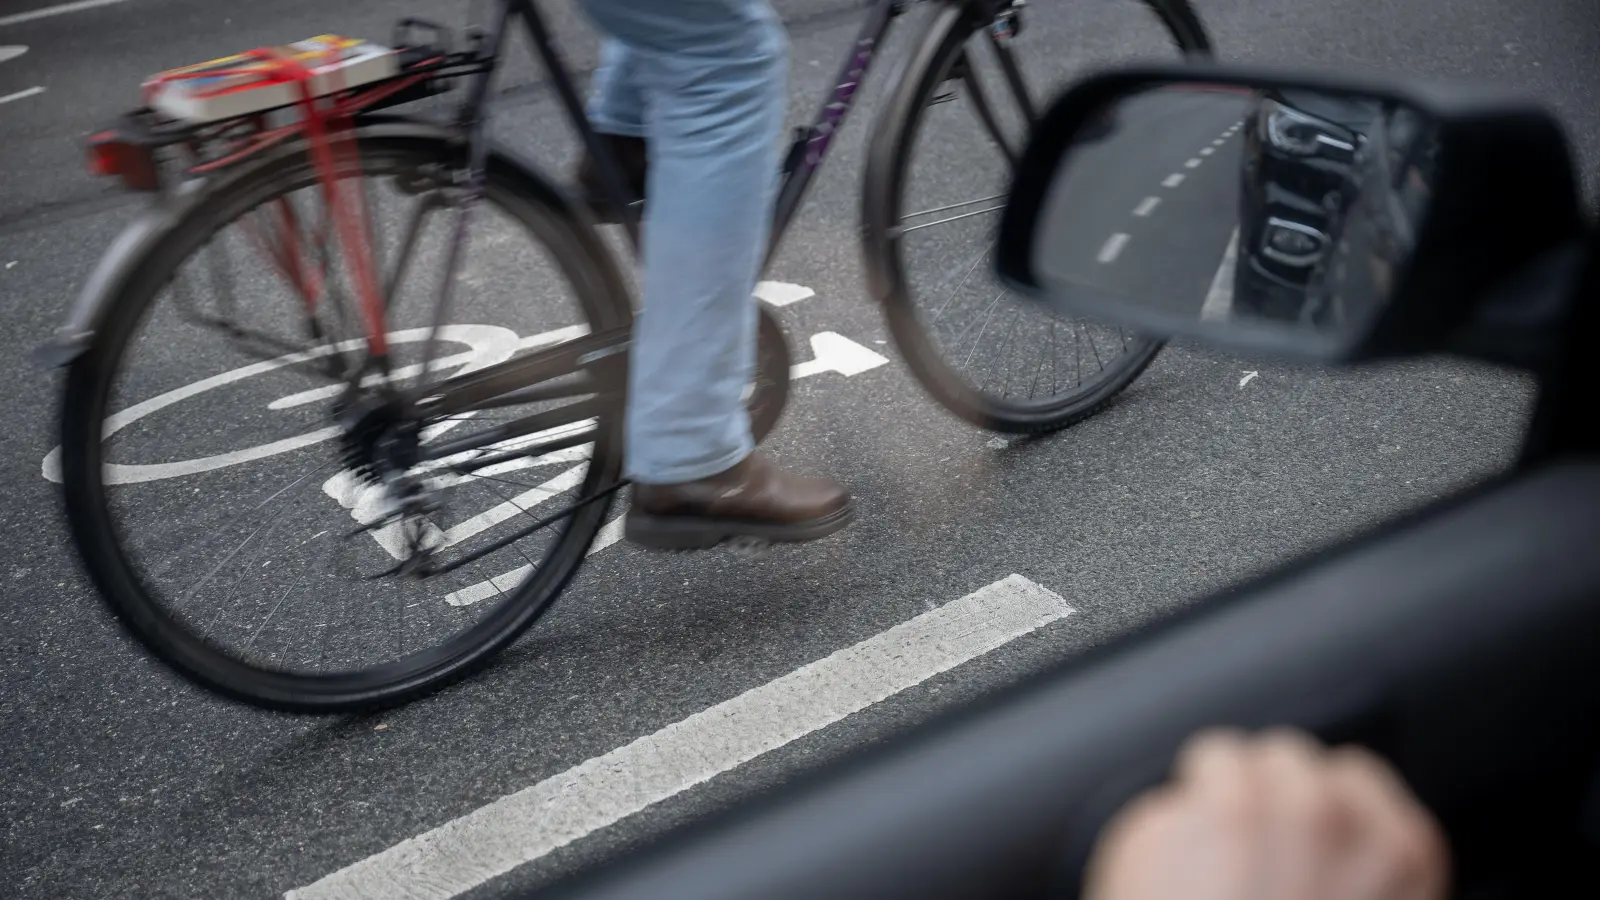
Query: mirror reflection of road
(1147, 210)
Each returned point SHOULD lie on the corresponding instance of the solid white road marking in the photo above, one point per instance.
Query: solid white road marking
(1173, 180)
(516, 829)
(610, 534)
(21, 95)
(1248, 377)
(515, 506)
(490, 344)
(530, 342)
(782, 293)
(1147, 206)
(9, 52)
(1193, 163)
(1113, 247)
(1219, 299)
(836, 353)
(58, 10)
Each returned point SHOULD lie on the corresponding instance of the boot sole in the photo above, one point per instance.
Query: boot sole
(697, 533)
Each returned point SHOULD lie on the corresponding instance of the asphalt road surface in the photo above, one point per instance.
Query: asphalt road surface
(661, 689)
(1144, 213)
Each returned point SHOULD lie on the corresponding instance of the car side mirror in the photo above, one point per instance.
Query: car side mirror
(1321, 218)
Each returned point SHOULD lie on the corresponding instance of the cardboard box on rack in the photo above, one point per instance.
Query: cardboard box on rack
(244, 84)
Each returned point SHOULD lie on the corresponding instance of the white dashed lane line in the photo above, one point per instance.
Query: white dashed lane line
(21, 95)
(1115, 243)
(9, 52)
(1113, 247)
(57, 10)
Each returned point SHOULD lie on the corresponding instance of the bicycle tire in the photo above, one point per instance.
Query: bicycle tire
(884, 179)
(774, 360)
(603, 294)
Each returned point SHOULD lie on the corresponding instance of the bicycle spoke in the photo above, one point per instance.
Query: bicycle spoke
(988, 315)
(904, 229)
(948, 207)
(516, 545)
(430, 202)
(1005, 390)
(1033, 387)
(1096, 349)
(270, 616)
(971, 270)
(537, 525)
(184, 598)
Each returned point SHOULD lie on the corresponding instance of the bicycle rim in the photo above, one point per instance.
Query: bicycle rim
(1049, 372)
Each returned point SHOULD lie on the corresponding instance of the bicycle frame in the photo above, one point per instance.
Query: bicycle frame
(805, 155)
(514, 380)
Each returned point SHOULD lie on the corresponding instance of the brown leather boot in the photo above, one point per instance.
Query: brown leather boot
(753, 500)
(632, 156)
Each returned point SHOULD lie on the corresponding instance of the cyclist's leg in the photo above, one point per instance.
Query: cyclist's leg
(714, 78)
(616, 105)
(713, 74)
(616, 109)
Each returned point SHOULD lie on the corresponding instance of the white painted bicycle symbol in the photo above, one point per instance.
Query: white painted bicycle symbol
(485, 345)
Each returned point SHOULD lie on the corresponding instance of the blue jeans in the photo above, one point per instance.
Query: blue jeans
(706, 81)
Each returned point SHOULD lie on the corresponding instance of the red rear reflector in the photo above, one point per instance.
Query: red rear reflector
(111, 156)
(104, 159)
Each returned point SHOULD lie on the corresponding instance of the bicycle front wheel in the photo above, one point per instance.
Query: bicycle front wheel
(235, 529)
(938, 168)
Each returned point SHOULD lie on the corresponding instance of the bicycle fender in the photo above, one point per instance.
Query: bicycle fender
(129, 249)
(111, 272)
(118, 262)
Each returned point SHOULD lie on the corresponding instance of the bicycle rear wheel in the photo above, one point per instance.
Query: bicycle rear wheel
(939, 157)
(231, 554)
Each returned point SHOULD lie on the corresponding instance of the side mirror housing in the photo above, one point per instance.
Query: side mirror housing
(1315, 217)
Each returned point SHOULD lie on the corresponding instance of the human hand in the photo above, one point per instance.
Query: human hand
(1272, 817)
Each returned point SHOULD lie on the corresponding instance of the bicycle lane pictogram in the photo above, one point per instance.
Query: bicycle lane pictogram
(485, 345)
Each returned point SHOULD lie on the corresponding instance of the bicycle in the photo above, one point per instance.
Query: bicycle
(342, 341)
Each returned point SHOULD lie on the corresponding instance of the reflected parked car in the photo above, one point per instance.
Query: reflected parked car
(1376, 231)
(1295, 175)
